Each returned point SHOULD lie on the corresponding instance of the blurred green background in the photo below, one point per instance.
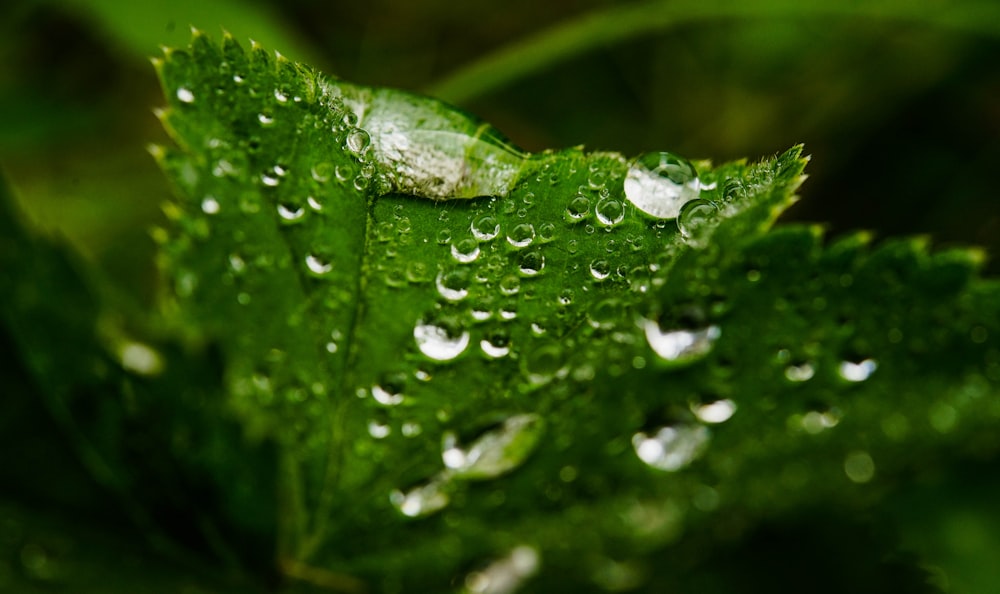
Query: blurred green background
(900, 114)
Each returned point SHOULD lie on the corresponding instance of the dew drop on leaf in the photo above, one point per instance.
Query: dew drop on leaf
(485, 228)
(465, 251)
(317, 265)
(610, 211)
(210, 205)
(718, 411)
(184, 95)
(660, 183)
(421, 500)
(680, 346)
(438, 343)
(521, 235)
(495, 452)
(290, 214)
(671, 447)
(857, 371)
(503, 576)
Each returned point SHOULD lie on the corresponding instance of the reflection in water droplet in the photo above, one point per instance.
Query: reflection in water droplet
(485, 228)
(496, 345)
(857, 372)
(421, 500)
(672, 447)
(210, 205)
(680, 345)
(495, 452)
(714, 412)
(438, 343)
(318, 266)
(185, 95)
(600, 269)
(504, 576)
(658, 184)
(578, 207)
(531, 263)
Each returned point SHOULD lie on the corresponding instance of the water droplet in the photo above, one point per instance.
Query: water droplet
(210, 205)
(140, 358)
(510, 285)
(817, 421)
(504, 576)
(714, 412)
(857, 371)
(672, 447)
(695, 217)
(521, 235)
(578, 207)
(800, 373)
(658, 184)
(465, 251)
(859, 467)
(531, 263)
(546, 232)
(318, 266)
(496, 345)
(269, 180)
(485, 228)
(290, 214)
(357, 141)
(610, 211)
(389, 392)
(495, 452)
(378, 430)
(185, 95)
(453, 285)
(439, 343)
(543, 363)
(265, 119)
(680, 346)
(314, 204)
(421, 500)
(322, 171)
(600, 269)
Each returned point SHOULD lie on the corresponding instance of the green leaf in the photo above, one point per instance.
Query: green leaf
(484, 363)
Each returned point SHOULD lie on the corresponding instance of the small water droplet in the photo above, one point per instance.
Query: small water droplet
(140, 358)
(857, 371)
(531, 263)
(317, 265)
(290, 214)
(496, 345)
(521, 235)
(695, 218)
(485, 228)
(389, 392)
(658, 184)
(440, 343)
(280, 97)
(269, 180)
(185, 95)
(378, 430)
(680, 346)
(672, 447)
(541, 364)
(314, 204)
(265, 119)
(546, 232)
(610, 211)
(495, 452)
(510, 285)
(718, 411)
(600, 269)
(817, 421)
(358, 141)
(800, 373)
(453, 285)
(421, 500)
(210, 205)
(465, 251)
(578, 207)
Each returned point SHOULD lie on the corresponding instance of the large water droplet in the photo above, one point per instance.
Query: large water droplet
(421, 500)
(440, 343)
(680, 346)
(672, 447)
(658, 184)
(495, 452)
